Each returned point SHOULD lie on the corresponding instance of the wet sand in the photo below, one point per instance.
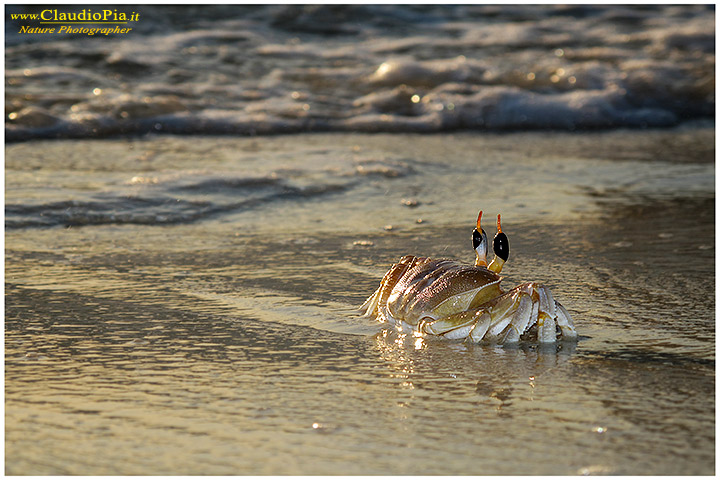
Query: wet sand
(186, 305)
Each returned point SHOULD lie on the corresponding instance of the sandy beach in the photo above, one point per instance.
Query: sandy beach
(196, 207)
(218, 321)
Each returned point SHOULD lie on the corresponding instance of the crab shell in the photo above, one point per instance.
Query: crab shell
(448, 298)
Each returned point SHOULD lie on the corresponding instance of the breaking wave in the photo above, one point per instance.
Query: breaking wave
(260, 70)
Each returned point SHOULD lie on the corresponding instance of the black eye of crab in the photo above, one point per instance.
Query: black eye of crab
(501, 246)
(477, 239)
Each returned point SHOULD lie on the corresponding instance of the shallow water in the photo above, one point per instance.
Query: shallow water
(182, 305)
(362, 68)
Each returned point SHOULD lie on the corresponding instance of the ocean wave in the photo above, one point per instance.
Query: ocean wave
(164, 202)
(291, 69)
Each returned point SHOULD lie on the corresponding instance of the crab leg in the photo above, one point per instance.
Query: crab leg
(520, 319)
(481, 327)
(547, 303)
(502, 322)
(546, 316)
(507, 319)
(533, 315)
(496, 330)
(446, 325)
(371, 303)
(546, 328)
(564, 321)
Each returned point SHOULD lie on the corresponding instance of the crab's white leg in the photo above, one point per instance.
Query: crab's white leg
(497, 328)
(512, 336)
(371, 303)
(547, 303)
(520, 318)
(505, 324)
(565, 322)
(502, 312)
(547, 327)
(481, 327)
(533, 315)
(460, 333)
(383, 313)
(446, 326)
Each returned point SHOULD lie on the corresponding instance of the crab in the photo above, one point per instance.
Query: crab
(454, 300)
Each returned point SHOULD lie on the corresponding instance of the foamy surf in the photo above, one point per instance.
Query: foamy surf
(264, 70)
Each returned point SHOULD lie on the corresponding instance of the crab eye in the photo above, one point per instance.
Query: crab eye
(477, 239)
(501, 246)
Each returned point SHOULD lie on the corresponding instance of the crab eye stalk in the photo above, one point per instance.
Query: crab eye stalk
(480, 244)
(501, 247)
(477, 239)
